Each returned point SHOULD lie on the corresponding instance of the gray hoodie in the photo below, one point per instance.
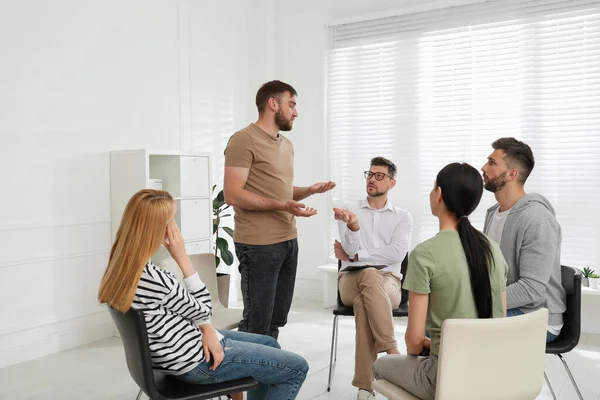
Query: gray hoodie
(530, 244)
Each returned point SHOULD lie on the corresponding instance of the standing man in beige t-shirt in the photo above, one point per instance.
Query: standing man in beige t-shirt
(259, 174)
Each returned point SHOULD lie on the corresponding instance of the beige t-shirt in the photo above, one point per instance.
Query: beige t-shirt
(271, 163)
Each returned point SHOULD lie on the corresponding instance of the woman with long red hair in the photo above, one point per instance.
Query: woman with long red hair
(182, 341)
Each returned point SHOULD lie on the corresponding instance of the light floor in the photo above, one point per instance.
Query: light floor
(98, 370)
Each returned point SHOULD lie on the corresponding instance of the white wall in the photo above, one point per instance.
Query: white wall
(300, 40)
(78, 79)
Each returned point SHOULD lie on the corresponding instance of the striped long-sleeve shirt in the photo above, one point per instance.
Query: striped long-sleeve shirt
(173, 313)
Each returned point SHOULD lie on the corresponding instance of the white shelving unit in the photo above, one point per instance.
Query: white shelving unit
(187, 176)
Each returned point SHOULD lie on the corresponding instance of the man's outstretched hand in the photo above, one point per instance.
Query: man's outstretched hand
(299, 209)
(321, 187)
(347, 217)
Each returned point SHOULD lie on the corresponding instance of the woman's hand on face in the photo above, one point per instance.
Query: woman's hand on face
(174, 242)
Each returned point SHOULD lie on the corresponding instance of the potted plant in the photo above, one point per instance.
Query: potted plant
(594, 281)
(587, 271)
(221, 246)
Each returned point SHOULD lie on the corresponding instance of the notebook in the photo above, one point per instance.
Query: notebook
(350, 268)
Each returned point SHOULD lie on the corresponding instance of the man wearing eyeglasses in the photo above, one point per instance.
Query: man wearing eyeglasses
(375, 235)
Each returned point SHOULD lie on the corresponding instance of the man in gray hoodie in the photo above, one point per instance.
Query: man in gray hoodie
(529, 235)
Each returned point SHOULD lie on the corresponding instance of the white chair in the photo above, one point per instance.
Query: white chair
(223, 317)
(496, 358)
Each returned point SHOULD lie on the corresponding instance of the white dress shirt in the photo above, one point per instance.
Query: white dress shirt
(383, 237)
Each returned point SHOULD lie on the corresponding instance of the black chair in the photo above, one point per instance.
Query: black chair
(571, 330)
(341, 310)
(155, 385)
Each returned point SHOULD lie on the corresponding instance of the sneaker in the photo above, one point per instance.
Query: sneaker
(364, 395)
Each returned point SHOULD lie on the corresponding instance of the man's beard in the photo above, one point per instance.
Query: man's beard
(282, 123)
(493, 185)
(376, 194)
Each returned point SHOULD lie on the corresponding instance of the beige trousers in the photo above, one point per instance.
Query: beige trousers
(373, 294)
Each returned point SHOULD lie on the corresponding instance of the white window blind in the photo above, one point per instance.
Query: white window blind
(437, 87)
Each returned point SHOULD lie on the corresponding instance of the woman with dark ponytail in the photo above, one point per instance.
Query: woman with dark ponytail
(459, 273)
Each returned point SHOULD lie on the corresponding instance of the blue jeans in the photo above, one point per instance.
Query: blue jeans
(513, 312)
(268, 275)
(279, 373)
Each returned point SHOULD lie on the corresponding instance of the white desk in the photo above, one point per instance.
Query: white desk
(329, 284)
(590, 306)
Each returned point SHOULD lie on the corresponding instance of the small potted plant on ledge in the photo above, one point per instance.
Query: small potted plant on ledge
(587, 271)
(221, 246)
(594, 281)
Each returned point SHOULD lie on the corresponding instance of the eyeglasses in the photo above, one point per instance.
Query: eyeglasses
(378, 175)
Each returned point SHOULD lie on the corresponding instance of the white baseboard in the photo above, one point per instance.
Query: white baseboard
(39, 341)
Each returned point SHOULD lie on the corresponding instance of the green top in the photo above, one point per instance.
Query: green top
(438, 267)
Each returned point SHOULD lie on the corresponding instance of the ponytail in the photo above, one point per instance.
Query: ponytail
(479, 256)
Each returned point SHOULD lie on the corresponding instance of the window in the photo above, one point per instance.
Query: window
(432, 88)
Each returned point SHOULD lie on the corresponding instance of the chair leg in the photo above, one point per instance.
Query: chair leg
(337, 330)
(549, 385)
(570, 376)
(333, 343)
(139, 396)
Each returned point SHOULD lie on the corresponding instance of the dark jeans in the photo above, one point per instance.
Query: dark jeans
(268, 277)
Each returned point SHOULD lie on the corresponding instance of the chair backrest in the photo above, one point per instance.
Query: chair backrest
(403, 267)
(339, 298)
(132, 328)
(494, 358)
(206, 267)
(571, 331)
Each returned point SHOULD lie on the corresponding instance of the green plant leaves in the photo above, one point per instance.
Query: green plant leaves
(227, 257)
(222, 246)
(228, 230)
(217, 204)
